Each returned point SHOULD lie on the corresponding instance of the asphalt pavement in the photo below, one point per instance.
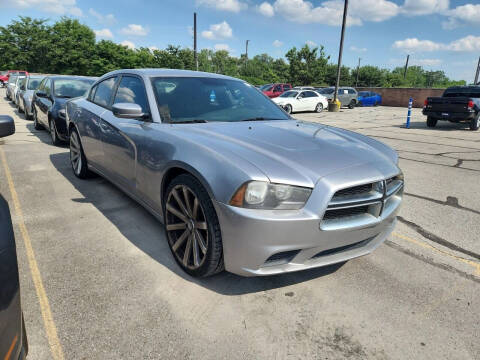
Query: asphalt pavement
(99, 282)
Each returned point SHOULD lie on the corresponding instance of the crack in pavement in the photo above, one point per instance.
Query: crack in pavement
(451, 201)
(437, 239)
(432, 163)
(422, 258)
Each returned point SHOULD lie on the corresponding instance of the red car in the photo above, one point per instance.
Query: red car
(274, 90)
(5, 75)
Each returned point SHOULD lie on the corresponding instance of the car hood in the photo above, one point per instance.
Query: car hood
(294, 152)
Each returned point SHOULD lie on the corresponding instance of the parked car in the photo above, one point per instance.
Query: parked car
(274, 90)
(12, 80)
(48, 103)
(298, 100)
(13, 337)
(5, 75)
(346, 95)
(238, 183)
(25, 94)
(303, 88)
(368, 98)
(457, 104)
(15, 88)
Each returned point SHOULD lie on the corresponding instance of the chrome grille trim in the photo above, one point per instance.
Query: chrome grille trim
(376, 204)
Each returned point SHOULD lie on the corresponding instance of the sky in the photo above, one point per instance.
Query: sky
(438, 34)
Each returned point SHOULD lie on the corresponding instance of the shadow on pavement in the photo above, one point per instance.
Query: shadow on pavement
(441, 126)
(147, 233)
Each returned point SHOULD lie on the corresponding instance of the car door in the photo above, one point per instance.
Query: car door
(45, 103)
(342, 96)
(312, 99)
(121, 136)
(301, 101)
(90, 120)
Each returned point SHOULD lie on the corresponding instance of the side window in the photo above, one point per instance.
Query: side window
(131, 90)
(278, 88)
(311, 94)
(286, 87)
(104, 92)
(351, 91)
(47, 86)
(91, 94)
(42, 84)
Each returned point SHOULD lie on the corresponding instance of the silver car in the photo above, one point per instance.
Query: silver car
(238, 183)
(25, 94)
(347, 96)
(12, 82)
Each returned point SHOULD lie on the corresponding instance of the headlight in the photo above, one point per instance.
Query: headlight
(263, 195)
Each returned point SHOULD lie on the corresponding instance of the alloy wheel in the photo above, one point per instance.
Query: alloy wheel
(319, 108)
(75, 153)
(187, 227)
(53, 131)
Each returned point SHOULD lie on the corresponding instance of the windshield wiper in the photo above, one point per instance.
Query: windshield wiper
(258, 119)
(195, 121)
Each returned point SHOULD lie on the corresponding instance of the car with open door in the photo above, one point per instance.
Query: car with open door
(48, 103)
(13, 337)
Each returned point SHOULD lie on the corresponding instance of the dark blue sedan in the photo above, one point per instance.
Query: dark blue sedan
(369, 98)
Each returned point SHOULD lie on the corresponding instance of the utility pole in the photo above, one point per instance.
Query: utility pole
(477, 74)
(195, 40)
(358, 70)
(406, 67)
(340, 52)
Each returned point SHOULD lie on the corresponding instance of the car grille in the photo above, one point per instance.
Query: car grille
(363, 205)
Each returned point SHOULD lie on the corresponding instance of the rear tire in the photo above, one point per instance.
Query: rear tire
(36, 124)
(475, 123)
(352, 104)
(53, 133)
(288, 109)
(192, 228)
(431, 122)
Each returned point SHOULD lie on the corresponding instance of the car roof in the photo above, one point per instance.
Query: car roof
(70, 77)
(169, 73)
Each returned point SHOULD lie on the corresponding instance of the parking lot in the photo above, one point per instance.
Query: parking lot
(98, 279)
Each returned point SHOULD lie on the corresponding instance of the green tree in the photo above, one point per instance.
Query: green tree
(71, 47)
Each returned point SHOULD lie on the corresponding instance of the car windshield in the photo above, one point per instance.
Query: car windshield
(70, 88)
(289, 94)
(33, 83)
(3, 72)
(471, 92)
(198, 99)
(326, 91)
(12, 79)
(265, 87)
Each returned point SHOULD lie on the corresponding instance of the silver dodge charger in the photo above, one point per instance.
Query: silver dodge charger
(238, 183)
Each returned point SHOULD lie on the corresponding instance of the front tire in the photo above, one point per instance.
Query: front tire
(352, 104)
(319, 108)
(475, 123)
(27, 116)
(77, 156)
(431, 122)
(192, 228)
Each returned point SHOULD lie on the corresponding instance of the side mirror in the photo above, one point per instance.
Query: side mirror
(7, 126)
(41, 93)
(127, 111)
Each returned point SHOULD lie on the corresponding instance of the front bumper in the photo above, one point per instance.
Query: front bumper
(251, 238)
